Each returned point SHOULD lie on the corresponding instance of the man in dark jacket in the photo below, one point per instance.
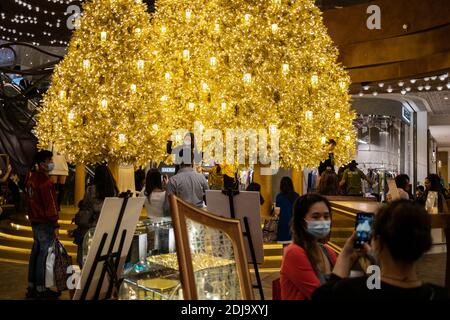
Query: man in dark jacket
(43, 213)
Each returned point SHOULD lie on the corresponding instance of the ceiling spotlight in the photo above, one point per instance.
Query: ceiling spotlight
(375, 93)
(408, 89)
(401, 83)
(403, 91)
(427, 87)
(361, 94)
(448, 85)
(413, 81)
(442, 77)
(445, 98)
(426, 78)
(381, 84)
(420, 88)
(440, 88)
(366, 87)
(433, 78)
(389, 89)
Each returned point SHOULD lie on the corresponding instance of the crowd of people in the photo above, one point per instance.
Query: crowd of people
(310, 268)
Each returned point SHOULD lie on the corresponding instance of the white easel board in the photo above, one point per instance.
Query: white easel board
(106, 224)
(246, 204)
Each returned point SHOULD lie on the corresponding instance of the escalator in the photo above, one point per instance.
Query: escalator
(16, 125)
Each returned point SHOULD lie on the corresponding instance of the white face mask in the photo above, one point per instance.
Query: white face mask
(319, 229)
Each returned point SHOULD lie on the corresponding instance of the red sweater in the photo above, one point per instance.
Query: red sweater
(41, 198)
(298, 279)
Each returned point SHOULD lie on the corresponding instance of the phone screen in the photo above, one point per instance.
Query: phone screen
(363, 227)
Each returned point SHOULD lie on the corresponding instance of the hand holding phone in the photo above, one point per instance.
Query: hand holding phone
(363, 229)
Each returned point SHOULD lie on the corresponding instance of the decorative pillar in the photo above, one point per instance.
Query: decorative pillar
(114, 168)
(297, 179)
(80, 181)
(266, 190)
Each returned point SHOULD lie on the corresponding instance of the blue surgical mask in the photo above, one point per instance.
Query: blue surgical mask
(50, 167)
(319, 229)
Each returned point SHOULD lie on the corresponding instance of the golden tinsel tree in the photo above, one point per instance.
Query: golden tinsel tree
(97, 108)
(254, 64)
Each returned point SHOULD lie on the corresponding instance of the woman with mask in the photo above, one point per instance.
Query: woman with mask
(401, 235)
(307, 261)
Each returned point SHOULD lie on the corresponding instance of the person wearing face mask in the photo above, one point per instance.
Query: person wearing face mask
(43, 213)
(307, 261)
(401, 235)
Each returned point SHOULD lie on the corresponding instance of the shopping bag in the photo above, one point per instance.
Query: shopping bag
(270, 229)
(49, 266)
(62, 261)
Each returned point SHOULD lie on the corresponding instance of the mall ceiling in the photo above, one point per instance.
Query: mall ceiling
(44, 21)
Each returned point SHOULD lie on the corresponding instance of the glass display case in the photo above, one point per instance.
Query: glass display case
(215, 258)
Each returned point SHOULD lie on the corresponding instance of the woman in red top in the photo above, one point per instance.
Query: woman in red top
(307, 262)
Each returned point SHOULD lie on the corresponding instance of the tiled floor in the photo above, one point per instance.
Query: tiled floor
(13, 277)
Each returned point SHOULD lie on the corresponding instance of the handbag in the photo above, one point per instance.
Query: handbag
(270, 228)
(62, 261)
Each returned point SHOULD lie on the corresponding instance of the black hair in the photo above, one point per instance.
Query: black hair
(421, 188)
(42, 156)
(332, 141)
(152, 181)
(256, 187)
(403, 227)
(435, 182)
(401, 181)
(104, 182)
(287, 188)
(298, 224)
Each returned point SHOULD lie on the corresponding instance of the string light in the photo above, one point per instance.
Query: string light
(186, 54)
(252, 80)
(247, 78)
(213, 61)
(285, 68)
(116, 85)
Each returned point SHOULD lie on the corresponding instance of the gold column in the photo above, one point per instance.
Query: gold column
(80, 175)
(114, 167)
(266, 190)
(297, 179)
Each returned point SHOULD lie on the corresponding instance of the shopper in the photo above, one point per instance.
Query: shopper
(103, 186)
(154, 194)
(402, 183)
(401, 235)
(215, 177)
(307, 262)
(329, 162)
(433, 183)
(328, 183)
(43, 215)
(188, 185)
(420, 190)
(351, 179)
(285, 200)
(256, 187)
(59, 173)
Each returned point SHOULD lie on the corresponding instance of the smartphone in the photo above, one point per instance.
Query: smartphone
(363, 228)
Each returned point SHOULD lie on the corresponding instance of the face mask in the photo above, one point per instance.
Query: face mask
(187, 142)
(50, 167)
(318, 229)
